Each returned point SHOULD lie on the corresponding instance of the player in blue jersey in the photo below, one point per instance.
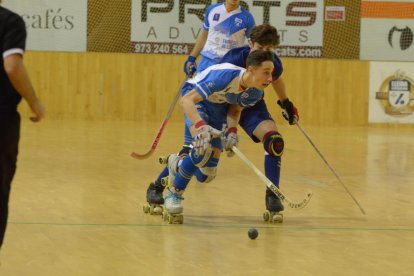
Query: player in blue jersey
(212, 98)
(226, 26)
(257, 121)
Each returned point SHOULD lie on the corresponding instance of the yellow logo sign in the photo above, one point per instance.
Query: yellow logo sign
(397, 94)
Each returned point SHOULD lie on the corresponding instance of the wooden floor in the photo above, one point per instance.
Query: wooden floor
(76, 208)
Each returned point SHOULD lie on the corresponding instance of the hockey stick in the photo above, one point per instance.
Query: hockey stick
(270, 185)
(161, 130)
(329, 166)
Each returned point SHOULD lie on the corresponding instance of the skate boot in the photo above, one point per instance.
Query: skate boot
(274, 207)
(155, 200)
(173, 208)
(172, 163)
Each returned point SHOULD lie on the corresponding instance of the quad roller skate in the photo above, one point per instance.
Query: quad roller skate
(155, 200)
(173, 209)
(163, 160)
(274, 207)
(172, 162)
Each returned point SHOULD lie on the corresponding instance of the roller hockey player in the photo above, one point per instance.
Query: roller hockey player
(214, 97)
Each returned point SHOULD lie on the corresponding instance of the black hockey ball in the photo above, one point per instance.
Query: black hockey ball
(252, 233)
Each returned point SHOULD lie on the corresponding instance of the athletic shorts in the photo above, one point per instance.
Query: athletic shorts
(251, 117)
(204, 63)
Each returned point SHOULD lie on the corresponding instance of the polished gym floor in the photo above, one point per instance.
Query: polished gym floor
(76, 205)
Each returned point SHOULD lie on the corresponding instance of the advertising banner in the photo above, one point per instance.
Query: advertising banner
(53, 25)
(387, 30)
(172, 27)
(391, 95)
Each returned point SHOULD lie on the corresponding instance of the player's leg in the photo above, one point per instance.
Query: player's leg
(9, 139)
(258, 123)
(155, 190)
(181, 171)
(273, 144)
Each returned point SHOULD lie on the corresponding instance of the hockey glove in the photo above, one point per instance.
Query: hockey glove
(190, 66)
(291, 114)
(204, 135)
(231, 139)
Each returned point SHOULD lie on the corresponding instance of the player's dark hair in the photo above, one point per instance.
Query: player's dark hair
(265, 34)
(257, 57)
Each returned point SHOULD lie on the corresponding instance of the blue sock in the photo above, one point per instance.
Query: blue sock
(163, 174)
(184, 174)
(272, 168)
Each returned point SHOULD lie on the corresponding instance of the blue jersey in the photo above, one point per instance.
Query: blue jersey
(226, 30)
(220, 84)
(239, 55)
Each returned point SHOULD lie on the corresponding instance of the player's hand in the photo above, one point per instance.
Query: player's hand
(190, 66)
(204, 135)
(291, 114)
(38, 109)
(230, 139)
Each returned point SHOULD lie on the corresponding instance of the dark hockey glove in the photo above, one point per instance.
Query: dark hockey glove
(190, 66)
(291, 113)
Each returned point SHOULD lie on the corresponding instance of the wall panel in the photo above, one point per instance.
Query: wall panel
(116, 86)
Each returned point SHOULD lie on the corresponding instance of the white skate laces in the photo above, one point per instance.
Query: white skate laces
(173, 200)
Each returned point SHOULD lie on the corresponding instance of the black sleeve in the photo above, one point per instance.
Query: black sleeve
(15, 33)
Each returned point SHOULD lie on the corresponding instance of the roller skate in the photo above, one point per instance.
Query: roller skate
(274, 207)
(155, 200)
(173, 209)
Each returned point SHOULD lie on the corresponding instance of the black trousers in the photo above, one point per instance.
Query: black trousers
(9, 141)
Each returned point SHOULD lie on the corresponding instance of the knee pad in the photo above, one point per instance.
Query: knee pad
(273, 143)
(210, 173)
(202, 160)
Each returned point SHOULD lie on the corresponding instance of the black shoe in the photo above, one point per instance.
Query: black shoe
(154, 193)
(273, 202)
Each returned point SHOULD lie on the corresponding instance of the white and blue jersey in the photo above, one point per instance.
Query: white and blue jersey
(219, 85)
(226, 30)
(251, 117)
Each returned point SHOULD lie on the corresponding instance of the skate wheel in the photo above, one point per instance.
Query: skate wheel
(164, 216)
(164, 181)
(277, 218)
(175, 219)
(151, 209)
(266, 215)
(146, 208)
(163, 160)
(157, 210)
